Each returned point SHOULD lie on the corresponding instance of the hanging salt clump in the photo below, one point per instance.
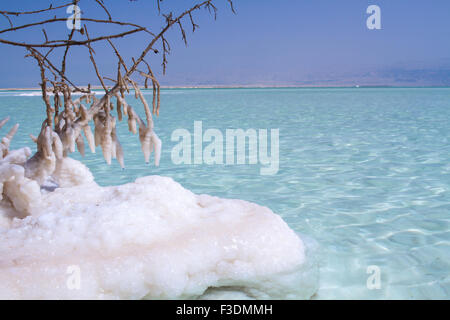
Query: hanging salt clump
(87, 129)
(43, 162)
(105, 138)
(5, 142)
(80, 144)
(57, 146)
(156, 142)
(117, 147)
(99, 127)
(68, 136)
(119, 110)
(131, 121)
(146, 142)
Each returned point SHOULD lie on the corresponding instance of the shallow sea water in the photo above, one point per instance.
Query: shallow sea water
(365, 172)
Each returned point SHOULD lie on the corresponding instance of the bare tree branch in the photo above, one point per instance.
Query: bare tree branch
(100, 3)
(91, 53)
(9, 20)
(18, 13)
(68, 119)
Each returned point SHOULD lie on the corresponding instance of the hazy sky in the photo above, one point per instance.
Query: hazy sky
(297, 42)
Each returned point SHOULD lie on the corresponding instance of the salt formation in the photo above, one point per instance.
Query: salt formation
(65, 237)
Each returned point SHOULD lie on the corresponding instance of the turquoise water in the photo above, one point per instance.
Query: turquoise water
(365, 172)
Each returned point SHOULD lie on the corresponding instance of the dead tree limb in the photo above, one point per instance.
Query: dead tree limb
(66, 119)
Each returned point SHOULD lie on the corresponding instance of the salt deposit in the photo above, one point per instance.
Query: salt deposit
(72, 239)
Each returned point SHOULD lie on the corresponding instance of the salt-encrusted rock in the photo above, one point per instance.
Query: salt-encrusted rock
(147, 239)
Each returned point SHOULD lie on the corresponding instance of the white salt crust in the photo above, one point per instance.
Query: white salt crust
(151, 239)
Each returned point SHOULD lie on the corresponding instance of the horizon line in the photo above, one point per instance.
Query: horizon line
(254, 86)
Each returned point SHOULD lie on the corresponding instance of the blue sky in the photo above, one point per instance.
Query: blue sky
(268, 42)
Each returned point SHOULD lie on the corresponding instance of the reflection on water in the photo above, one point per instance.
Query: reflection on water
(365, 172)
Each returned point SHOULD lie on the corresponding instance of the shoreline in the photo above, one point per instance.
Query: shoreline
(253, 87)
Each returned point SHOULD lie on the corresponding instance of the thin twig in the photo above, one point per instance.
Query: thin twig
(93, 61)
